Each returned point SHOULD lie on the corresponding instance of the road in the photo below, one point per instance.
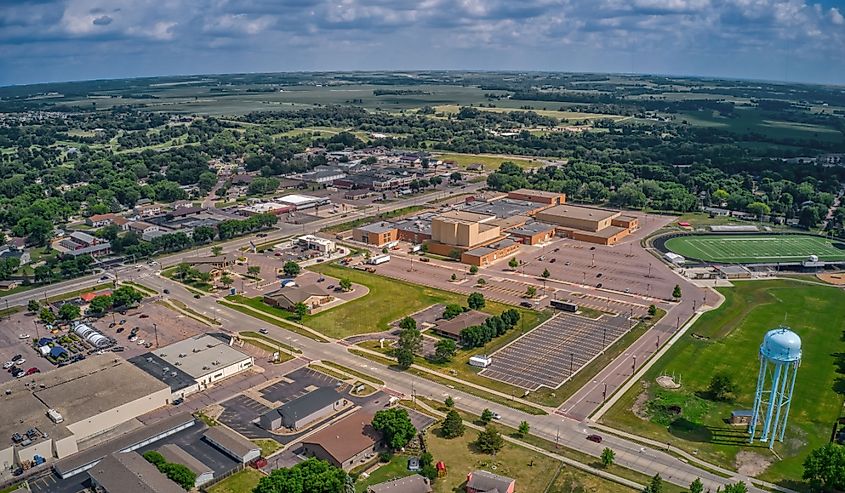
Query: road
(567, 432)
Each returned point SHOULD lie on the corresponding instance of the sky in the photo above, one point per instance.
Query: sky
(60, 40)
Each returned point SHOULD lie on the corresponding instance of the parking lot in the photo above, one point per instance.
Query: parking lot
(11, 344)
(239, 413)
(554, 351)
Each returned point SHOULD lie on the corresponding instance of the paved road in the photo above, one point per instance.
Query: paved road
(568, 432)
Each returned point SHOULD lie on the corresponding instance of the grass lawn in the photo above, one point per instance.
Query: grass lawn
(755, 248)
(388, 300)
(395, 469)
(490, 162)
(262, 312)
(240, 482)
(267, 446)
(571, 480)
(728, 339)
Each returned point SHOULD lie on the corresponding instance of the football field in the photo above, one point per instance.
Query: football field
(749, 249)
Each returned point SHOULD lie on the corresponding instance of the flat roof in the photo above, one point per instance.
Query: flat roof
(176, 454)
(298, 199)
(578, 212)
(163, 371)
(466, 319)
(131, 473)
(488, 249)
(503, 208)
(603, 233)
(532, 228)
(463, 216)
(200, 355)
(537, 193)
(416, 225)
(347, 437)
(94, 385)
(379, 227)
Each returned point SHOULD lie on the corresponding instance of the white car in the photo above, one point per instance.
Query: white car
(8, 365)
(23, 336)
(133, 338)
(20, 361)
(141, 342)
(497, 416)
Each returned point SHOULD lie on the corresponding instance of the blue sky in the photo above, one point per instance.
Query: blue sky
(56, 40)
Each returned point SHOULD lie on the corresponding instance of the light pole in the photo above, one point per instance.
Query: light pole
(155, 331)
(571, 362)
(634, 366)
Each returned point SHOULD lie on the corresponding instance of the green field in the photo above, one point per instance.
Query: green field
(727, 340)
(749, 249)
(746, 121)
(490, 162)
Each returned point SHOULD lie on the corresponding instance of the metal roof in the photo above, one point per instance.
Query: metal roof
(309, 403)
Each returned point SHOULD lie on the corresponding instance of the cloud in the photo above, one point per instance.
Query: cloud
(126, 36)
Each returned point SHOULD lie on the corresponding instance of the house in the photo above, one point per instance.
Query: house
(7, 252)
(349, 442)
(148, 210)
(185, 211)
(409, 484)
(10, 284)
(452, 328)
(100, 220)
(487, 482)
(141, 227)
(287, 298)
(299, 412)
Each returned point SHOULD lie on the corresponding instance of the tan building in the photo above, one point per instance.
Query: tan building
(539, 196)
(589, 224)
(533, 233)
(288, 297)
(376, 234)
(463, 229)
(71, 404)
(349, 442)
(487, 254)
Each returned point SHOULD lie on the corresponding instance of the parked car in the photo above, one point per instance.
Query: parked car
(32, 371)
(8, 365)
(196, 296)
(133, 338)
(598, 285)
(568, 263)
(556, 250)
(594, 438)
(178, 401)
(330, 287)
(148, 345)
(23, 336)
(20, 361)
(141, 342)
(599, 274)
(120, 329)
(17, 372)
(144, 315)
(118, 349)
(497, 416)
(592, 248)
(122, 321)
(262, 330)
(552, 260)
(526, 304)
(166, 291)
(17, 357)
(113, 324)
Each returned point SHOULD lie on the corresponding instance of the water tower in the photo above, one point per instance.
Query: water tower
(780, 357)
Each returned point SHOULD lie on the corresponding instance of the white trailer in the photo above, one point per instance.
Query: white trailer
(380, 259)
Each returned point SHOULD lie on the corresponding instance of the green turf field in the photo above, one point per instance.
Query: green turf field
(727, 340)
(749, 249)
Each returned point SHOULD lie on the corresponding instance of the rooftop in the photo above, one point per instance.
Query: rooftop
(309, 403)
(163, 371)
(347, 437)
(230, 441)
(532, 228)
(409, 484)
(464, 217)
(200, 355)
(577, 212)
(176, 454)
(537, 193)
(298, 199)
(131, 473)
(488, 249)
(504, 207)
(487, 481)
(461, 322)
(378, 228)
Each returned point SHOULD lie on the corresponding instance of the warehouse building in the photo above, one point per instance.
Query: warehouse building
(232, 444)
(349, 442)
(298, 413)
(71, 404)
(194, 364)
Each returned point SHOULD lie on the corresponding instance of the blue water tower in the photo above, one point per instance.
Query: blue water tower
(780, 357)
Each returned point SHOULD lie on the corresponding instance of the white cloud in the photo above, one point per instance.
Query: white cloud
(836, 16)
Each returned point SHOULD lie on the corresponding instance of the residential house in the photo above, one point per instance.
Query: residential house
(148, 210)
(409, 484)
(487, 482)
(142, 227)
(347, 443)
(100, 220)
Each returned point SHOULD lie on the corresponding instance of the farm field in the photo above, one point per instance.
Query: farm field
(563, 115)
(747, 249)
(748, 121)
(490, 162)
(728, 339)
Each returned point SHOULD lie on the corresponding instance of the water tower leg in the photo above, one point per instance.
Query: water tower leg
(758, 399)
(789, 402)
(780, 402)
(767, 425)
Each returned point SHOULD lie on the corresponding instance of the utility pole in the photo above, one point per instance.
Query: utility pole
(571, 362)
(155, 331)
(634, 366)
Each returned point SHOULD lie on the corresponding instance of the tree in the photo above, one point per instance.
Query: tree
(607, 457)
(450, 403)
(452, 310)
(300, 310)
(490, 440)
(455, 177)
(345, 285)
(253, 270)
(46, 315)
(652, 310)
(100, 304)
(309, 476)
(404, 358)
(676, 293)
(454, 277)
(546, 274)
(291, 268)
(736, 488)
(69, 311)
(759, 209)
(696, 486)
(216, 250)
(486, 416)
(475, 301)
(473, 269)
(180, 475)
(721, 387)
(33, 306)
(824, 468)
(453, 425)
(655, 486)
(395, 425)
(126, 296)
(513, 263)
(226, 280)
(524, 428)
(531, 292)
(445, 350)
(481, 281)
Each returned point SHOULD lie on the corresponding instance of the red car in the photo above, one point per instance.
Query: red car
(32, 371)
(594, 438)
